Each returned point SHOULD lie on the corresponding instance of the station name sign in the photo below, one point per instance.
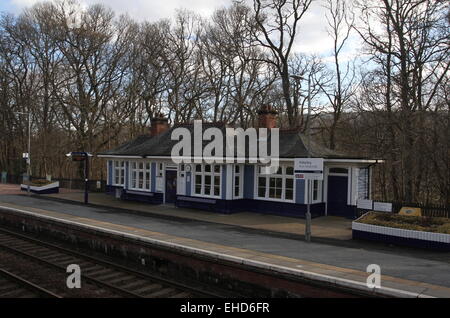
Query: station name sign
(79, 156)
(309, 168)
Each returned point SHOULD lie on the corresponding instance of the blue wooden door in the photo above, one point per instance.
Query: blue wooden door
(171, 186)
(337, 196)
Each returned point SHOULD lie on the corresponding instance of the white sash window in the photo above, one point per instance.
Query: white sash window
(317, 186)
(238, 182)
(118, 173)
(140, 175)
(278, 186)
(207, 180)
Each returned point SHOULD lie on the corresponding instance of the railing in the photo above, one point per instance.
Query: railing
(428, 210)
(436, 211)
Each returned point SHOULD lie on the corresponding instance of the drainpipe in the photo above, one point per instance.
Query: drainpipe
(369, 179)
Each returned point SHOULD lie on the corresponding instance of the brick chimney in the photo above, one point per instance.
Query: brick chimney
(267, 117)
(159, 125)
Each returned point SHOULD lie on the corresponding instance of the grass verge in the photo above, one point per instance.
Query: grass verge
(415, 223)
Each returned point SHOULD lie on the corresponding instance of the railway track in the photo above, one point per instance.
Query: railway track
(114, 280)
(13, 286)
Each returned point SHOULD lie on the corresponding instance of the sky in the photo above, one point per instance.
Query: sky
(312, 37)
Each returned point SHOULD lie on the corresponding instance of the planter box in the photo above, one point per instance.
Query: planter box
(397, 236)
(46, 189)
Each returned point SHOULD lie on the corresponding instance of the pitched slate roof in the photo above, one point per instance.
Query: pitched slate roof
(293, 144)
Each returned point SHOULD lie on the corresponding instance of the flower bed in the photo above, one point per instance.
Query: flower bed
(390, 228)
(41, 187)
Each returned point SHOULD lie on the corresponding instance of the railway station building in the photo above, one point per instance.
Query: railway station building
(143, 170)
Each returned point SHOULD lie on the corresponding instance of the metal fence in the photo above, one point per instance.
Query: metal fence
(436, 211)
(428, 210)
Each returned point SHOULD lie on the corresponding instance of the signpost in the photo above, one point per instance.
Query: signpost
(80, 157)
(308, 169)
(26, 156)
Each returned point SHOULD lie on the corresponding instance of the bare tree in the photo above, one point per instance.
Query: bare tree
(410, 44)
(184, 82)
(342, 86)
(95, 48)
(278, 22)
(244, 79)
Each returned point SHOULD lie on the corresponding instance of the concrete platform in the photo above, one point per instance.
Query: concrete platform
(404, 273)
(337, 228)
(10, 189)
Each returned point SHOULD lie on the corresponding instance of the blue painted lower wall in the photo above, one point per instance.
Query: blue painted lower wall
(111, 190)
(248, 205)
(224, 206)
(152, 198)
(347, 211)
(128, 195)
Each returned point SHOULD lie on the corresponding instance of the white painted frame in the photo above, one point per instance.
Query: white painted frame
(320, 197)
(241, 182)
(194, 173)
(181, 180)
(130, 173)
(114, 173)
(267, 198)
(391, 231)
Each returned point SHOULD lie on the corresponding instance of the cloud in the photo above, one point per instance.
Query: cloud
(142, 9)
(23, 3)
(312, 37)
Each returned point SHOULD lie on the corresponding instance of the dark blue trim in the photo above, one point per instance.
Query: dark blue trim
(111, 190)
(309, 171)
(246, 205)
(224, 182)
(389, 239)
(226, 206)
(150, 197)
(153, 177)
(249, 181)
(344, 210)
(188, 183)
(110, 172)
(300, 191)
(127, 174)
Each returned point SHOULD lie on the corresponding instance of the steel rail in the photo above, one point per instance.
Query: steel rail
(28, 285)
(99, 261)
(90, 279)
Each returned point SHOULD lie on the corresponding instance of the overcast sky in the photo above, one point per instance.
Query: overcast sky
(312, 37)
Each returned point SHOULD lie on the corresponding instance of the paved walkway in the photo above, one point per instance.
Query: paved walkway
(325, 227)
(10, 189)
(417, 272)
